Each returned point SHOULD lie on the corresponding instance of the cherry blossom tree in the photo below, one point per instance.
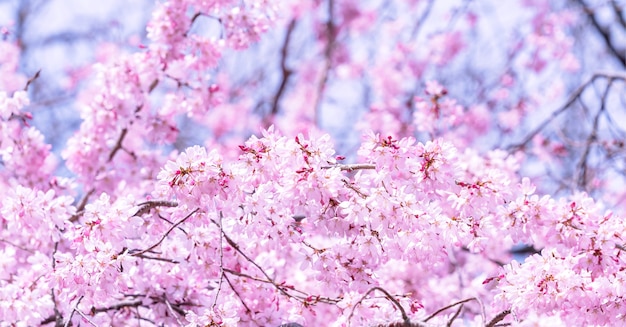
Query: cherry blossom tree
(320, 163)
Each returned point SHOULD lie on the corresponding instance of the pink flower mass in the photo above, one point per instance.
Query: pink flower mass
(318, 163)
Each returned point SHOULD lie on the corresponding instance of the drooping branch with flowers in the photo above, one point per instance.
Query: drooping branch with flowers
(421, 222)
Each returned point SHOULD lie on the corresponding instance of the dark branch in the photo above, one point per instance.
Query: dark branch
(448, 307)
(31, 80)
(422, 19)
(286, 72)
(331, 35)
(405, 317)
(351, 167)
(498, 318)
(572, 98)
(149, 205)
(80, 209)
(593, 136)
(605, 33)
(118, 144)
(136, 254)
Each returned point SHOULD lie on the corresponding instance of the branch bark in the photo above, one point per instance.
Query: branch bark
(605, 33)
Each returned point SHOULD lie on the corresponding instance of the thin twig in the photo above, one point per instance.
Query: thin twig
(236, 248)
(448, 307)
(421, 19)
(498, 318)
(174, 313)
(454, 316)
(572, 98)
(269, 280)
(238, 295)
(86, 318)
(58, 318)
(31, 80)
(352, 187)
(80, 208)
(219, 286)
(405, 317)
(351, 167)
(17, 246)
(619, 13)
(582, 175)
(118, 144)
(302, 297)
(143, 256)
(118, 306)
(165, 235)
(69, 320)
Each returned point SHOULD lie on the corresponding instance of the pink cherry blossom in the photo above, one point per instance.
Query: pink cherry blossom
(324, 163)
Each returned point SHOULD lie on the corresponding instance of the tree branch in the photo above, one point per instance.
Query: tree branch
(69, 320)
(605, 33)
(593, 136)
(405, 317)
(448, 307)
(286, 72)
(136, 254)
(32, 79)
(305, 298)
(149, 205)
(219, 286)
(331, 35)
(80, 208)
(498, 318)
(118, 144)
(619, 13)
(351, 167)
(421, 19)
(570, 100)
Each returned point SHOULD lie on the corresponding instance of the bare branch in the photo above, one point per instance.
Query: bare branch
(454, 316)
(498, 318)
(32, 79)
(286, 72)
(420, 21)
(619, 12)
(143, 256)
(605, 33)
(118, 144)
(593, 136)
(331, 35)
(149, 205)
(351, 167)
(572, 98)
(80, 208)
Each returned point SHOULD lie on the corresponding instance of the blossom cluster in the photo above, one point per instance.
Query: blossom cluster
(282, 227)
